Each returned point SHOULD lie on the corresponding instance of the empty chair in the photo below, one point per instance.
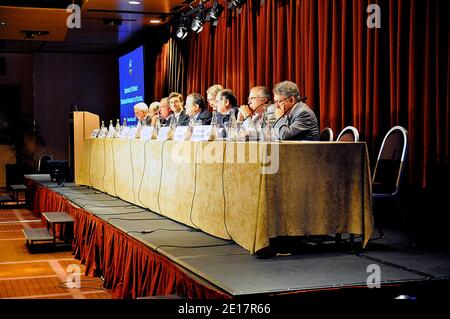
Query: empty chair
(348, 134)
(326, 135)
(42, 164)
(388, 170)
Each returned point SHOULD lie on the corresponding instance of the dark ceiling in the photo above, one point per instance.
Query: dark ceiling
(40, 25)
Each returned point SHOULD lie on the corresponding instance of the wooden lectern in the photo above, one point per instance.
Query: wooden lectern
(83, 125)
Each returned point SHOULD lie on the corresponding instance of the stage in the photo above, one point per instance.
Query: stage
(141, 254)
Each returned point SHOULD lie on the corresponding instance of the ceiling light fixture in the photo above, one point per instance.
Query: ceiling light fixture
(182, 30)
(155, 21)
(197, 23)
(236, 4)
(134, 2)
(215, 12)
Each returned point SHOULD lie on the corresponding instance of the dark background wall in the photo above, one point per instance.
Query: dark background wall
(19, 71)
(59, 79)
(50, 82)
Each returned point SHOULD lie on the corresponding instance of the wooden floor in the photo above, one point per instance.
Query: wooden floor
(43, 274)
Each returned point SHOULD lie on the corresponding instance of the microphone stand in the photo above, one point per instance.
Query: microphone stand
(254, 110)
(73, 105)
(249, 116)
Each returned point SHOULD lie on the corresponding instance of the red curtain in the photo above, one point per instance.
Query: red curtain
(371, 78)
(161, 71)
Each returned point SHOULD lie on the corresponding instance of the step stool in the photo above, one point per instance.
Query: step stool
(37, 234)
(17, 188)
(4, 199)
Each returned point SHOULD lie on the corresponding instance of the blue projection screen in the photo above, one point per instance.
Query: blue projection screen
(131, 78)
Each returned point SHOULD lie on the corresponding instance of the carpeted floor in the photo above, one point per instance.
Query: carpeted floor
(45, 273)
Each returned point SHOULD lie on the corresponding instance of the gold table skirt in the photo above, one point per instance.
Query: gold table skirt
(248, 192)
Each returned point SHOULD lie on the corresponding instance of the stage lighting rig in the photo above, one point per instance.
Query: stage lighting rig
(215, 12)
(182, 30)
(197, 23)
(236, 4)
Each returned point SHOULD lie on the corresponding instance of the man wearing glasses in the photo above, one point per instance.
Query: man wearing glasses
(258, 99)
(164, 111)
(294, 119)
(197, 110)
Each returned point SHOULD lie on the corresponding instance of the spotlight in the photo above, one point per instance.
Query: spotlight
(215, 11)
(182, 30)
(235, 4)
(197, 23)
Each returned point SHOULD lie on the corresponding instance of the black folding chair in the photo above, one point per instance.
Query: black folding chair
(388, 172)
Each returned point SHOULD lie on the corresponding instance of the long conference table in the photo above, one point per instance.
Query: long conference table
(245, 191)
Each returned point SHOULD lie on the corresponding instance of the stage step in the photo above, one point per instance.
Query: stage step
(17, 188)
(37, 234)
(4, 199)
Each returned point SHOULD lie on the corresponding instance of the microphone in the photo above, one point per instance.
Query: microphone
(253, 111)
(74, 102)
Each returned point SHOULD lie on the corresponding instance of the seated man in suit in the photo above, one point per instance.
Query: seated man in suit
(211, 95)
(196, 109)
(176, 105)
(295, 120)
(153, 111)
(227, 107)
(141, 113)
(164, 111)
(252, 114)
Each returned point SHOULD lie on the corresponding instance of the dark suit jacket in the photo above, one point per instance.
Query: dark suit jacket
(222, 118)
(146, 120)
(299, 124)
(205, 117)
(163, 121)
(183, 119)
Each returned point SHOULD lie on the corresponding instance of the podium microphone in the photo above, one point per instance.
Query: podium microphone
(73, 105)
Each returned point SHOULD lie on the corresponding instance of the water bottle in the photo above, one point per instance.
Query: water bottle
(117, 129)
(173, 123)
(214, 119)
(111, 129)
(103, 130)
(157, 124)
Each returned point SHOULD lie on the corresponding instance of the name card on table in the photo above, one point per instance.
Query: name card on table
(165, 133)
(182, 133)
(95, 132)
(147, 133)
(204, 133)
